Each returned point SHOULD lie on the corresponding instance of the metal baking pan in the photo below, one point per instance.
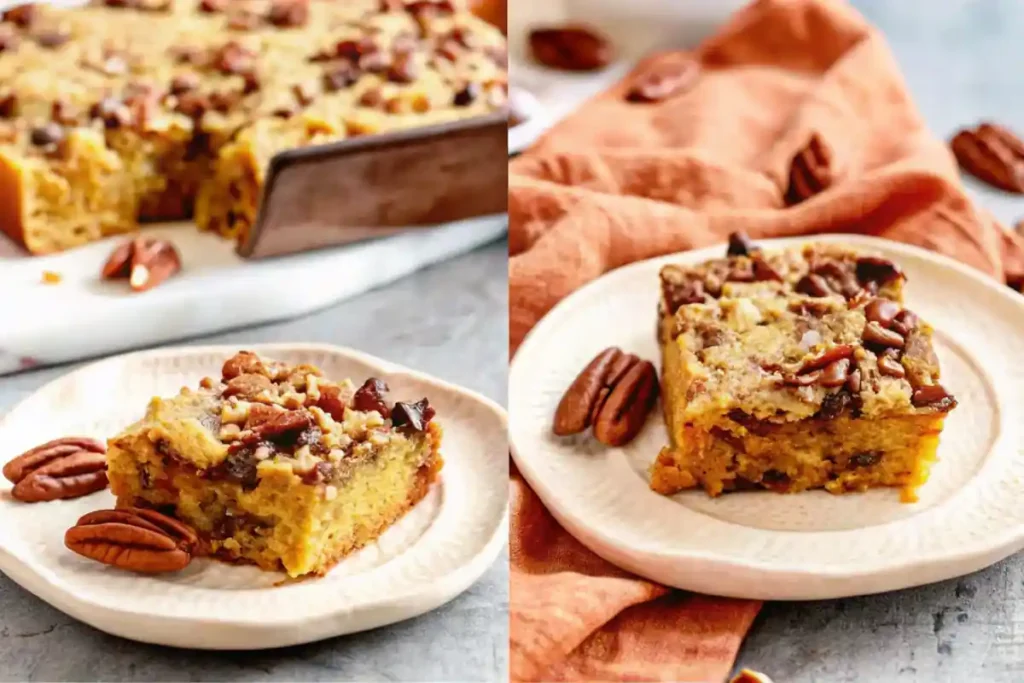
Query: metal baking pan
(379, 185)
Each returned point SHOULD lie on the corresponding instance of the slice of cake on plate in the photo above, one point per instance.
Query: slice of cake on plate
(277, 466)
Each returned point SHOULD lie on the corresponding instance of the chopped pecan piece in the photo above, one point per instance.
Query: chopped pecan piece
(370, 397)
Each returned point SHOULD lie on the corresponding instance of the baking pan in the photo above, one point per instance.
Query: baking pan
(379, 185)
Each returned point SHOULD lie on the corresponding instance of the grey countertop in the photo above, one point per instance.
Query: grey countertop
(451, 321)
(961, 61)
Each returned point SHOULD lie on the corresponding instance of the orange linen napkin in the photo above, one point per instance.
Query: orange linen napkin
(619, 182)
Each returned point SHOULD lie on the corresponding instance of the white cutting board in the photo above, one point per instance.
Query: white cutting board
(83, 316)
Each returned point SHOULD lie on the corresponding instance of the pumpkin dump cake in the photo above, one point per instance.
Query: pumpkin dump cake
(130, 110)
(795, 370)
(277, 466)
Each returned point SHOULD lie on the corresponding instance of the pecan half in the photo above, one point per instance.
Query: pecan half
(134, 539)
(664, 80)
(69, 476)
(624, 412)
(570, 48)
(993, 154)
(580, 401)
(811, 171)
(146, 263)
(31, 460)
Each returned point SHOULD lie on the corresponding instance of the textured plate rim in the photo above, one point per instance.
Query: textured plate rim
(282, 630)
(623, 552)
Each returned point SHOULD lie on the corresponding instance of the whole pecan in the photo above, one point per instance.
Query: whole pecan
(570, 48)
(145, 262)
(623, 414)
(575, 410)
(663, 80)
(32, 459)
(135, 539)
(63, 468)
(70, 476)
(613, 393)
(993, 154)
(811, 170)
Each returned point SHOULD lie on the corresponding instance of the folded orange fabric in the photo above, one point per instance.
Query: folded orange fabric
(618, 182)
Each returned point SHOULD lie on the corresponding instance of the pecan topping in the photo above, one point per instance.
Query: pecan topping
(243, 363)
(877, 270)
(933, 396)
(134, 539)
(469, 94)
(330, 401)
(370, 397)
(891, 366)
(283, 423)
(570, 48)
(412, 416)
(992, 154)
(235, 58)
(835, 374)
(613, 393)
(184, 82)
(212, 6)
(810, 172)
(289, 13)
(113, 113)
(827, 357)
(905, 322)
(247, 387)
(662, 81)
(404, 68)
(740, 244)
(49, 135)
(339, 77)
(63, 468)
(678, 294)
(146, 263)
(877, 335)
(813, 284)
(882, 311)
(764, 271)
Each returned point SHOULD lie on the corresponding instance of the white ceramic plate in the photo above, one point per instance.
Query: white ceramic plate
(431, 555)
(764, 545)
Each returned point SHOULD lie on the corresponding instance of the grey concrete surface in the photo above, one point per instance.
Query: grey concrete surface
(961, 61)
(450, 321)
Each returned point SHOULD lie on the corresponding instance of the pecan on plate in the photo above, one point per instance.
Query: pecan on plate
(663, 80)
(146, 263)
(992, 154)
(135, 539)
(570, 48)
(811, 171)
(613, 394)
(63, 468)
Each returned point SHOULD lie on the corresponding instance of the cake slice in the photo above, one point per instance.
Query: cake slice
(795, 369)
(277, 466)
